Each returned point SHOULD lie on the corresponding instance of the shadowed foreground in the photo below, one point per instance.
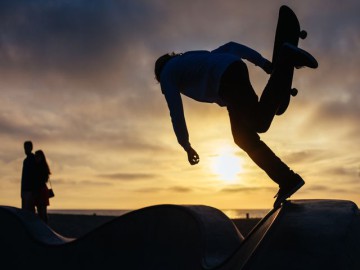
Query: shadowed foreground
(308, 234)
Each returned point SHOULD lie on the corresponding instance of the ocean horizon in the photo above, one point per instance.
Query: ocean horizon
(231, 213)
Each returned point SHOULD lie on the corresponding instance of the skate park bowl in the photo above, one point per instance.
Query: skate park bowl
(301, 234)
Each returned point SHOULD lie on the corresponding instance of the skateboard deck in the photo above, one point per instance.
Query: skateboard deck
(287, 31)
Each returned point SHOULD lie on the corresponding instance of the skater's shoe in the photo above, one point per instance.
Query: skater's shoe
(299, 57)
(288, 189)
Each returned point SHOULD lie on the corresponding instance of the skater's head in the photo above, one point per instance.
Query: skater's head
(160, 63)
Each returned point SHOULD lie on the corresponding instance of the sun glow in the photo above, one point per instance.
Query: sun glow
(227, 165)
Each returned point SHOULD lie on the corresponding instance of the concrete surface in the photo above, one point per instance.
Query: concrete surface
(302, 234)
(155, 237)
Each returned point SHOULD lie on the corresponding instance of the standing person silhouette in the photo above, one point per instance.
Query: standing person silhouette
(41, 191)
(28, 178)
(220, 76)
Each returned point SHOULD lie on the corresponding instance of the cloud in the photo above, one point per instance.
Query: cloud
(180, 189)
(171, 189)
(322, 189)
(343, 114)
(308, 155)
(242, 189)
(68, 183)
(77, 79)
(82, 42)
(91, 183)
(128, 176)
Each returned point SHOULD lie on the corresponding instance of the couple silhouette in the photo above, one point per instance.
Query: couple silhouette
(34, 178)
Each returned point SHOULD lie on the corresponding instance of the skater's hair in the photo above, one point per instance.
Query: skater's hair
(161, 61)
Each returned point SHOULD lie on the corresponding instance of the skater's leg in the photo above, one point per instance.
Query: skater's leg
(236, 89)
(280, 82)
(242, 106)
(248, 140)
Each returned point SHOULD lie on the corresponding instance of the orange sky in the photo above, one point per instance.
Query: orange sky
(77, 79)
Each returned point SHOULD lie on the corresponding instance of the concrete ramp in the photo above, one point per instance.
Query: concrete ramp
(304, 234)
(156, 237)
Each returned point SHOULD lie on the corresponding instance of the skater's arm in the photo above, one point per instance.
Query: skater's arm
(193, 157)
(246, 53)
(173, 99)
(179, 125)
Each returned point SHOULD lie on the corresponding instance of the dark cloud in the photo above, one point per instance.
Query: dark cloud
(172, 189)
(339, 115)
(92, 183)
(180, 189)
(322, 189)
(150, 190)
(332, 27)
(128, 176)
(48, 34)
(341, 171)
(341, 111)
(75, 40)
(9, 125)
(242, 189)
(82, 182)
(78, 39)
(309, 155)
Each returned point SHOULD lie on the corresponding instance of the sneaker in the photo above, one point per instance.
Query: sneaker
(300, 57)
(287, 190)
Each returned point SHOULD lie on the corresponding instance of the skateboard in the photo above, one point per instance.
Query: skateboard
(287, 30)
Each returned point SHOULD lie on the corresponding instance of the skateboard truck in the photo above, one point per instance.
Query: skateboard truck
(293, 91)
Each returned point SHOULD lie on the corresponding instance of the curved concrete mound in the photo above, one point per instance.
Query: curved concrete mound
(302, 234)
(155, 237)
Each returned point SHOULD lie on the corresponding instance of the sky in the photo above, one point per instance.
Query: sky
(76, 78)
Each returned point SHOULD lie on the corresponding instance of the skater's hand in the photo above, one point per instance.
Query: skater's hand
(268, 67)
(193, 157)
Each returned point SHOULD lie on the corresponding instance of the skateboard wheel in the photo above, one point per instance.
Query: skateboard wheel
(294, 92)
(303, 34)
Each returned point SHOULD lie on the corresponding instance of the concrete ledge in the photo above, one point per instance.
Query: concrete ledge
(305, 234)
(155, 237)
(302, 234)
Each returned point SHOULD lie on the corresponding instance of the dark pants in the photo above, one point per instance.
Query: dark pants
(27, 201)
(249, 116)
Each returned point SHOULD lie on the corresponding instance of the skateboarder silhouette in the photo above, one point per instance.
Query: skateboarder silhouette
(221, 76)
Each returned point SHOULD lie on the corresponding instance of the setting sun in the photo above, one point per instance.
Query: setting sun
(227, 165)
